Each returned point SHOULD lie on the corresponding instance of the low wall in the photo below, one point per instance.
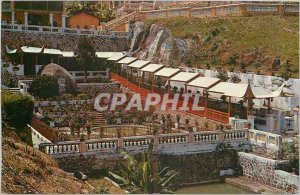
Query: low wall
(201, 167)
(64, 42)
(263, 170)
(94, 88)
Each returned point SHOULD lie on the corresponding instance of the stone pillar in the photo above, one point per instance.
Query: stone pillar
(13, 18)
(251, 121)
(26, 18)
(191, 137)
(51, 20)
(221, 136)
(270, 123)
(120, 143)
(296, 119)
(63, 21)
(82, 148)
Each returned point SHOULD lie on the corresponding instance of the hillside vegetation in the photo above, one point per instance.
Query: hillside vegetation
(250, 43)
(27, 170)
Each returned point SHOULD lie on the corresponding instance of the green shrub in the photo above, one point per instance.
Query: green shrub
(83, 96)
(44, 87)
(16, 109)
(8, 79)
(68, 96)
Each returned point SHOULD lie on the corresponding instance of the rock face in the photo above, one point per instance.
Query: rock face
(159, 46)
(60, 72)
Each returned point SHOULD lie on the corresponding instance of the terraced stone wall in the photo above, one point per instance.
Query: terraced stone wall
(64, 42)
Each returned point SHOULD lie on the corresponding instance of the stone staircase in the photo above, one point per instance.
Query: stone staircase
(99, 118)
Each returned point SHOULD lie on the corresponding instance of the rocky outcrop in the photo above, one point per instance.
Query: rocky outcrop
(59, 72)
(158, 45)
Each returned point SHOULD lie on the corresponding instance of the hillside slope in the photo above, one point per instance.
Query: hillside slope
(255, 42)
(26, 170)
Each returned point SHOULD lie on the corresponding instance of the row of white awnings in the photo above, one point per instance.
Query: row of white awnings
(213, 85)
(27, 49)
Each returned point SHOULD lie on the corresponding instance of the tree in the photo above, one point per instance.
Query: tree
(92, 7)
(285, 70)
(145, 176)
(45, 87)
(17, 109)
(222, 75)
(8, 79)
(86, 55)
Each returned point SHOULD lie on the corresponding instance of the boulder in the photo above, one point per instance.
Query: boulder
(59, 72)
(160, 46)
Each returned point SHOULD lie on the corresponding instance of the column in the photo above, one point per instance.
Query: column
(270, 123)
(51, 19)
(13, 18)
(63, 21)
(26, 18)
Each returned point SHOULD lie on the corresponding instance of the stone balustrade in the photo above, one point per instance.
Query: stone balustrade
(79, 75)
(265, 139)
(59, 30)
(243, 9)
(206, 140)
(62, 102)
(61, 148)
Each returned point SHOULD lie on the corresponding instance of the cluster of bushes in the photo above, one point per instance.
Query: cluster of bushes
(17, 110)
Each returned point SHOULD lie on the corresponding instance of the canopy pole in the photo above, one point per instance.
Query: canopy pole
(138, 76)
(269, 105)
(185, 87)
(169, 86)
(206, 101)
(117, 71)
(229, 108)
(22, 56)
(153, 81)
(36, 59)
(248, 105)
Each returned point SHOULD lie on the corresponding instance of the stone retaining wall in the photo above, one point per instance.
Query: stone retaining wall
(263, 170)
(64, 42)
(193, 167)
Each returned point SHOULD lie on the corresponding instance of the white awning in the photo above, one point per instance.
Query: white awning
(27, 49)
(232, 89)
(152, 67)
(261, 93)
(10, 51)
(52, 51)
(184, 76)
(204, 82)
(106, 55)
(127, 60)
(167, 72)
(68, 54)
(116, 57)
(138, 64)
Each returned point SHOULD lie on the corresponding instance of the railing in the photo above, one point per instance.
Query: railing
(101, 145)
(173, 138)
(134, 142)
(204, 137)
(209, 113)
(265, 139)
(60, 148)
(222, 10)
(59, 30)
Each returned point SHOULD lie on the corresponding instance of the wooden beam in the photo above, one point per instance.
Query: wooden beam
(229, 108)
